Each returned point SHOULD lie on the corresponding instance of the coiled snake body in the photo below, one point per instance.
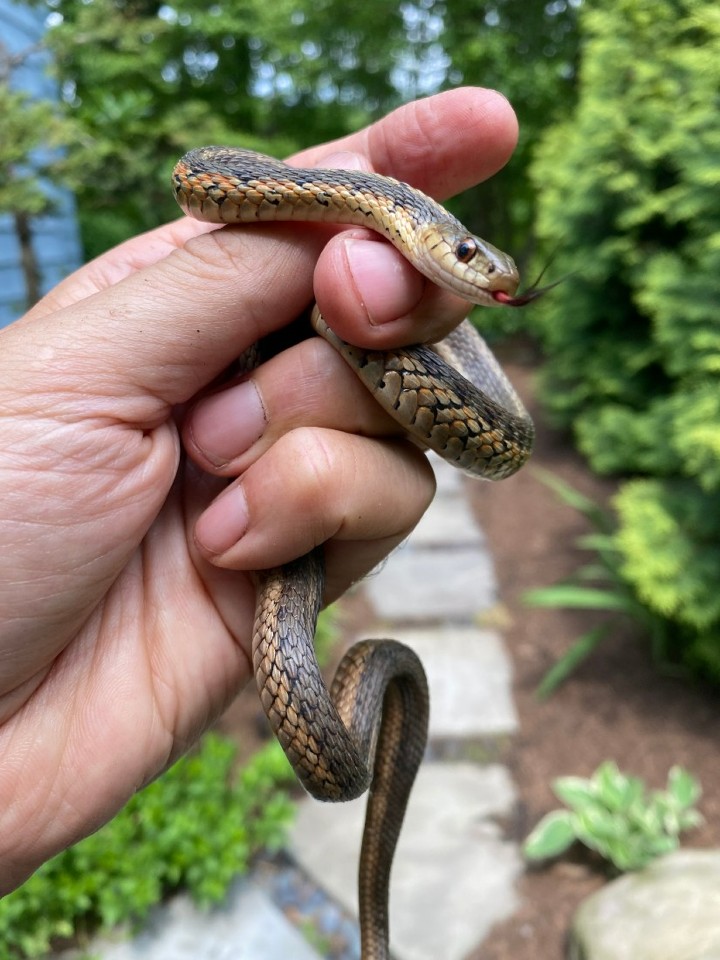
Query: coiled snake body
(370, 729)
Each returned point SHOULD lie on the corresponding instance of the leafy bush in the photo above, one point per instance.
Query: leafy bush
(195, 827)
(629, 184)
(613, 814)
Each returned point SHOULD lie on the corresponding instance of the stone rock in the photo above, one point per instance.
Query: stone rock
(668, 911)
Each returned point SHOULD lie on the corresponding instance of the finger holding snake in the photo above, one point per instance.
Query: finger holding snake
(224, 440)
(365, 288)
(357, 496)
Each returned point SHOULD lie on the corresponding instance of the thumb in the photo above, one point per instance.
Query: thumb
(168, 329)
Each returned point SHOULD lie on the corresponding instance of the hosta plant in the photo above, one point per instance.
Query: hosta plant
(615, 815)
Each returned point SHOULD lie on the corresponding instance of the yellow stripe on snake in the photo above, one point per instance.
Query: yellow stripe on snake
(370, 729)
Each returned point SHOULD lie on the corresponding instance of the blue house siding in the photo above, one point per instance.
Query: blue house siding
(56, 240)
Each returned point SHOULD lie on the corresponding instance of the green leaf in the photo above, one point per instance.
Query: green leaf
(616, 790)
(576, 597)
(570, 661)
(602, 542)
(596, 825)
(613, 814)
(575, 791)
(552, 835)
(683, 787)
(573, 498)
(689, 819)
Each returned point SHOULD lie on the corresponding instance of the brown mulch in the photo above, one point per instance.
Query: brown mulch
(617, 705)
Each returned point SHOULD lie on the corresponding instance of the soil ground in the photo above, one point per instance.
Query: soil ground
(617, 705)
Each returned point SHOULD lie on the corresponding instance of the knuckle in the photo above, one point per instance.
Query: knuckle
(316, 466)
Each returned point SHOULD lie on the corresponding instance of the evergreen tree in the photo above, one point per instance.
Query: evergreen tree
(147, 80)
(629, 187)
(31, 158)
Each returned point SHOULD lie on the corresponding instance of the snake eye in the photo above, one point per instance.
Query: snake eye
(466, 250)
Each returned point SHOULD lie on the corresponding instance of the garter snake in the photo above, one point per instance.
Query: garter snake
(370, 729)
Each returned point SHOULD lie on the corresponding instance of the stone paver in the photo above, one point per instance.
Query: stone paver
(449, 523)
(247, 927)
(453, 874)
(469, 676)
(444, 584)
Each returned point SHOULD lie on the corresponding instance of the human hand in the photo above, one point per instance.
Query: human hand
(126, 598)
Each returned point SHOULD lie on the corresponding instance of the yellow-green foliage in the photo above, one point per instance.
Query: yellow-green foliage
(630, 186)
(670, 541)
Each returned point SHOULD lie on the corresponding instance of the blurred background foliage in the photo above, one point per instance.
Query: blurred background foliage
(617, 173)
(628, 184)
(142, 81)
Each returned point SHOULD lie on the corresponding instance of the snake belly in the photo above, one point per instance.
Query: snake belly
(369, 730)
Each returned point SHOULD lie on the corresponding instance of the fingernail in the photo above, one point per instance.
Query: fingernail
(384, 283)
(224, 522)
(344, 160)
(228, 423)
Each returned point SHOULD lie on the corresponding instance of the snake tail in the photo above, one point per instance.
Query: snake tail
(383, 678)
(368, 731)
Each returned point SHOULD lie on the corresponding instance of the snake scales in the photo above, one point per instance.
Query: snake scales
(370, 729)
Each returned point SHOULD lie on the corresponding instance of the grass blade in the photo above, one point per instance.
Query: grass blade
(569, 661)
(569, 595)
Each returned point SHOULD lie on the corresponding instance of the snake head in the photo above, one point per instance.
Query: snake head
(466, 265)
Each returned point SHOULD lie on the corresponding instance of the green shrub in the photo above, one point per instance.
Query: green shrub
(614, 815)
(196, 828)
(669, 538)
(629, 185)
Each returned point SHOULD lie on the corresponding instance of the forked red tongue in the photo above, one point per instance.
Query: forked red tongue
(530, 294)
(507, 301)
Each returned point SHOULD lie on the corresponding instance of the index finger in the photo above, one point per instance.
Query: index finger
(442, 145)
